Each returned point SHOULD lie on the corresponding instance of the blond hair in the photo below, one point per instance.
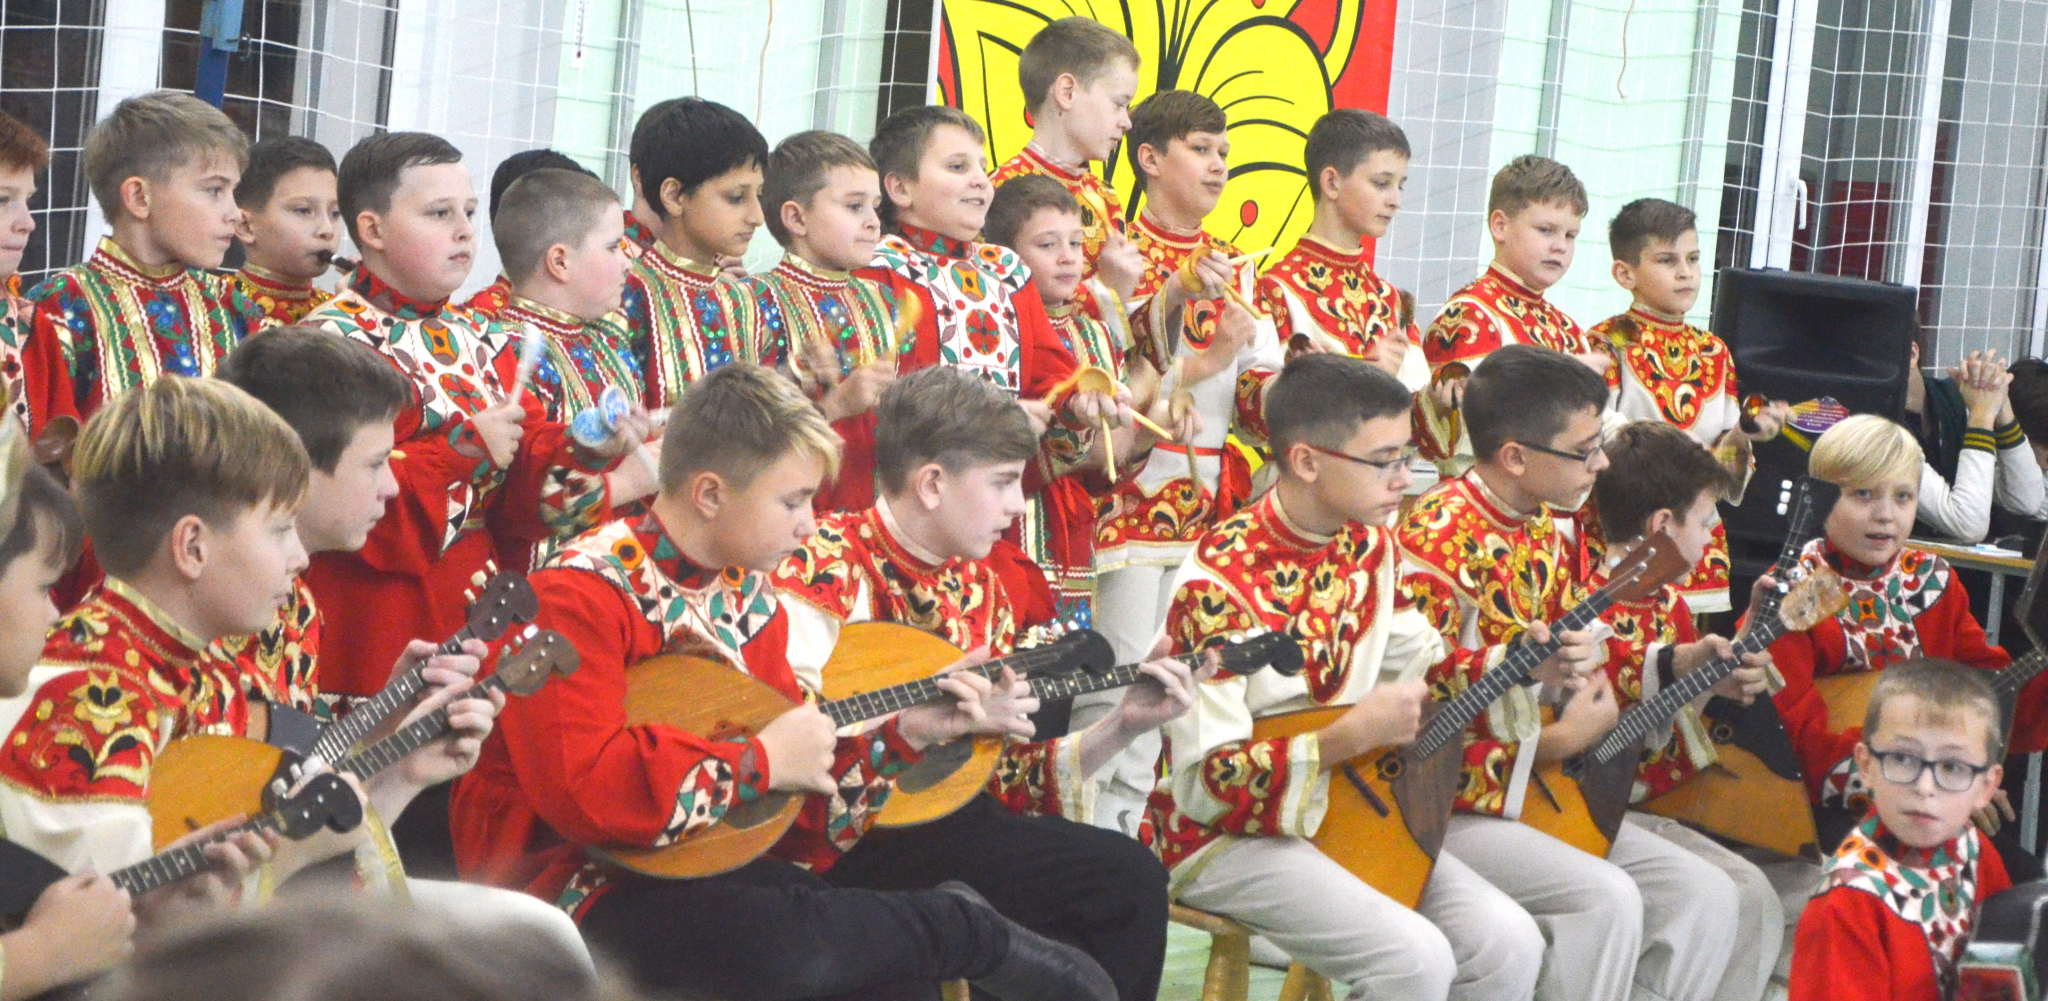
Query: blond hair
(738, 421)
(179, 447)
(1864, 451)
(150, 135)
(1535, 180)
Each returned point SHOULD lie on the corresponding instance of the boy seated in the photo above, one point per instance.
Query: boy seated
(492, 298)
(476, 466)
(163, 166)
(1897, 900)
(1672, 371)
(950, 456)
(1324, 290)
(1487, 559)
(1079, 77)
(1659, 479)
(697, 164)
(566, 772)
(23, 155)
(290, 227)
(1904, 602)
(835, 332)
(1533, 213)
(1233, 818)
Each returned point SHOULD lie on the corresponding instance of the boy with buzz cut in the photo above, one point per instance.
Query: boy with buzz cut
(951, 451)
(698, 164)
(1324, 290)
(475, 467)
(832, 330)
(1898, 900)
(163, 166)
(1487, 560)
(491, 299)
(1233, 816)
(23, 155)
(1674, 372)
(1534, 211)
(1079, 77)
(566, 772)
(290, 227)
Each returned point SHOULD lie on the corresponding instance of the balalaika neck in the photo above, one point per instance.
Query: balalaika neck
(895, 698)
(1640, 719)
(337, 737)
(2015, 676)
(179, 863)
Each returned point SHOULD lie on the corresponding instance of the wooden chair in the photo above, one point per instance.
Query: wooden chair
(1229, 977)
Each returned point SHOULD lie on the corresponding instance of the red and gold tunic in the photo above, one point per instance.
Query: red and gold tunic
(17, 319)
(1333, 296)
(638, 239)
(1890, 922)
(1155, 516)
(563, 770)
(1339, 597)
(1683, 376)
(1639, 630)
(110, 324)
(441, 537)
(1913, 607)
(278, 665)
(281, 300)
(1496, 309)
(687, 319)
(858, 567)
(583, 358)
(1102, 213)
(803, 304)
(118, 680)
(1481, 573)
(490, 300)
(1058, 529)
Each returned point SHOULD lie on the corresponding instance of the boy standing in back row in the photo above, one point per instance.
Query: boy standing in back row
(290, 226)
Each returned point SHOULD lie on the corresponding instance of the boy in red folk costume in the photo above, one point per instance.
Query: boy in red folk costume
(1904, 602)
(1534, 211)
(492, 298)
(1325, 291)
(1079, 76)
(1674, 372)
(23, 154)
(566, 772)
(290, 226)
(951, 454)
(1898, 900)
(472, 464)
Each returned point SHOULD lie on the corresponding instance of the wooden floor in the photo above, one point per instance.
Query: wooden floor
(1187, 955)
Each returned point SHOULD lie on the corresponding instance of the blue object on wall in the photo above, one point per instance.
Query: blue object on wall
(220, 34)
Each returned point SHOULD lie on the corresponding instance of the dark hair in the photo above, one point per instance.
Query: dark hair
(1946, 687)
(525, 162)
(326, 387)
(270, 160)
(1535, 180)
(1647, 219)
(692, 140)
(1651, 466)
(2029, 395)
(1081, 46)
(1343, 139)
(948, 416)
(1017, 200)
(898, 145)
(544, 208)
(796, 172)
(1168, 115)
(1527, 394)
(373, 168)
(1321, 399)
(21, 147)
(43, 504)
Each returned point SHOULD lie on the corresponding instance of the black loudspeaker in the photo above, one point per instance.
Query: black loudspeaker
(1835, 345)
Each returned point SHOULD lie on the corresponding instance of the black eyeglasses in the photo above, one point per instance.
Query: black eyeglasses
(1386, 467)
(1906, 769)
(1583, 458)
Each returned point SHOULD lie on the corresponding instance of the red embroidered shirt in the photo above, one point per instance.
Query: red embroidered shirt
(1496, 309)
(281, 300)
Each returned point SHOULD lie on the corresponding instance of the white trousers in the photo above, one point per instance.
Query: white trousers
(1466, 940)
(1650, 922)
(1794, 880)
(1760, 917)
(480, 910)
(1130, 606)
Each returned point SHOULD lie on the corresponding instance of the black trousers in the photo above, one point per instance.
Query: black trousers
(1094, 889)
(770, 930)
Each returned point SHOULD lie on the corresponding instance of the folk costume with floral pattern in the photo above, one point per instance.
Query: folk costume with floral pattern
(1637, 631)
(282, 301)
(1102, 213)
(583, 359)
(17, 319)
(1334, 297)
(1058, 529)
(688, 319)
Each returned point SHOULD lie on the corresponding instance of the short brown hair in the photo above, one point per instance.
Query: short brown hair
(178, 447)
(1945, 689)
(20, 147)
(1168, 115)
(898, 145)
(325, 386)
(42, 505)
(796, 172)
(270, 160)
(1080, 46)
(372, 169)
(1323, 398)
(951, 417)
(1017, 200)
(1343, 139)
(544, 208)
(1535, 180)
(1651, 466)
(1527, 394)
(150, 135)
(1647, 219)
(740, 420)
